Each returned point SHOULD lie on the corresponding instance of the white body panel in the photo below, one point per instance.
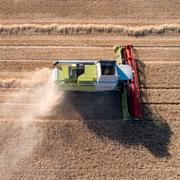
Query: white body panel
(106, 83)
(55, 74)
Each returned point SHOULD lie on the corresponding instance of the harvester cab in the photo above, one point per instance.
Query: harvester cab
(103, 75)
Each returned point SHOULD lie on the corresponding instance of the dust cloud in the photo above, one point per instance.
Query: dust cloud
(23, 136)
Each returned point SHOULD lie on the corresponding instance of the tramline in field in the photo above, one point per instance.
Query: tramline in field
(104, 75)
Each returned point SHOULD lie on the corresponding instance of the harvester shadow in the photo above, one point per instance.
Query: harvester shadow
(105, 120)
(102, 114)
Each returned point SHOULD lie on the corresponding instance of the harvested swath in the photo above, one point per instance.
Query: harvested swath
(14, 83)
(28, 81)
(69, 29)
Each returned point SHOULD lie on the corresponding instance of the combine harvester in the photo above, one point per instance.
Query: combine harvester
(104, 75)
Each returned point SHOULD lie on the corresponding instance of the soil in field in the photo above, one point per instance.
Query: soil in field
(45, 134)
